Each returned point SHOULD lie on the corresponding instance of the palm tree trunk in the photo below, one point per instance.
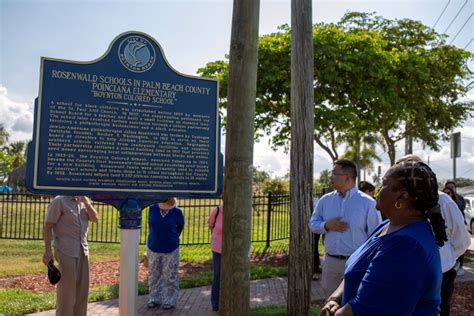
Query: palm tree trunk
(235, 267)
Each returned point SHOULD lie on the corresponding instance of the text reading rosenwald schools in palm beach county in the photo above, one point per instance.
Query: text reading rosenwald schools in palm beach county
(130, 89)
(126, 122)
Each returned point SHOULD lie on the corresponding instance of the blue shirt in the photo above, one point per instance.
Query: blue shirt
(164, 231)
(396, 274)
(355, 208)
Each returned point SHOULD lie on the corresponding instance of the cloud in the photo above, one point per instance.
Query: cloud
(16, 117)
(441, 161)
(276, 163)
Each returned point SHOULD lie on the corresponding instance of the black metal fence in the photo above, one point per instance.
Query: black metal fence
(22, 217)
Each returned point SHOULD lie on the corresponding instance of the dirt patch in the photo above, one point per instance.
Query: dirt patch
(469, 253)
(463, 299)
(107, 273)
(101, 273)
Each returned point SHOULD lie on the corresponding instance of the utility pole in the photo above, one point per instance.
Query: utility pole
(301, 170)
(408, 140)
(235, 267)
(408, 145)
(455, 150)
(357, 162)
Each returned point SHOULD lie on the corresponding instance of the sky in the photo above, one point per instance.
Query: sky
(191, 34)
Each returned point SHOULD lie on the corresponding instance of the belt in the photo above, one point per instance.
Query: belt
(338, 256)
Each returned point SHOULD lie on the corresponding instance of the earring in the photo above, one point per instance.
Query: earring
(398, 205)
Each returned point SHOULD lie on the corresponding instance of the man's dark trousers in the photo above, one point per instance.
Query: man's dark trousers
(447, 289)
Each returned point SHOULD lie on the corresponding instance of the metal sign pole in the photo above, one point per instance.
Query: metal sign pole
(129, 223)
(455, 150)
(454, 168)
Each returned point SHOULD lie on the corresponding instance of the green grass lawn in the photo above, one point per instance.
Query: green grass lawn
(22, 257)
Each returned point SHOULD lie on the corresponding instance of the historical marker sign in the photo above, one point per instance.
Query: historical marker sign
(126, 123)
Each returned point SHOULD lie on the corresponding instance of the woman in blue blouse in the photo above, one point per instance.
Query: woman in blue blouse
(397, 271)
(166, 223)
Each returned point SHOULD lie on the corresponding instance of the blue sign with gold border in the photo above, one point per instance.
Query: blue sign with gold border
(126, 124)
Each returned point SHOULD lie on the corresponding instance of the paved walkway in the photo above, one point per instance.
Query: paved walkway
(196, 301)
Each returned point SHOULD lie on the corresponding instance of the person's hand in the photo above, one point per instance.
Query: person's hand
(330, 308)
(47, 257)
(336, 225)
(82, 199)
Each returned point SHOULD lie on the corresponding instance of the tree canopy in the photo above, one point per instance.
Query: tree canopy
(4, 135)
(391, 78)
(12, 155)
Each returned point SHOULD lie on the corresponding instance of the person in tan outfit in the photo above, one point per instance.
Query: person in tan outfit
(66, 223)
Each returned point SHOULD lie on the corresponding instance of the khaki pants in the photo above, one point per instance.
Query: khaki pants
(332, 274)
(73, 288)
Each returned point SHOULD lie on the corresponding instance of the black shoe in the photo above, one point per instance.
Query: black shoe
(167, 306)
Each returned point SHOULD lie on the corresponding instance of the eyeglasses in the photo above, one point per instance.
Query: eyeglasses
(337, 174)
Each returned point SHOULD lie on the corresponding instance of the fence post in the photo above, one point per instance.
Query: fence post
(269, 216)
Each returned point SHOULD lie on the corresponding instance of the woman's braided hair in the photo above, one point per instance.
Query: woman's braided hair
(421, 184)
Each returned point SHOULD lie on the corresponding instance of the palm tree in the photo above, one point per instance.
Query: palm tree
(3, 135)
(17, 150)
(363, 151)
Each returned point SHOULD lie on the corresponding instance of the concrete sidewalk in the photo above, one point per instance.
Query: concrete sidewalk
(196, 301)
